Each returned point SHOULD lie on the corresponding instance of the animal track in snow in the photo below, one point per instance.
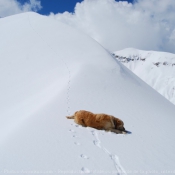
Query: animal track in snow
(114, 158)
(117, 164)
(84, 156)
(71, 130)
(97, 143)
(116, 161)
(77, 143)
(85, 170)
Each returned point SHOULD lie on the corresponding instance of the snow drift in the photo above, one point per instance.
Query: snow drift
(48, 71)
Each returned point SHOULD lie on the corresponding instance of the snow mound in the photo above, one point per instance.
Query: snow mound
(48, 71)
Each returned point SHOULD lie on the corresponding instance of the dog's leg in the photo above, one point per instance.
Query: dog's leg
(81, 122)
(117, 131)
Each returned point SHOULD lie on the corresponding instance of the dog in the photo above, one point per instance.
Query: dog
(99, 121)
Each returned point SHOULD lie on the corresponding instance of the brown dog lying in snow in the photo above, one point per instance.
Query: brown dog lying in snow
(98, 121)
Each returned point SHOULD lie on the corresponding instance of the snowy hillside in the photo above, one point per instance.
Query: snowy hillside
(48, 71)
(155, 68)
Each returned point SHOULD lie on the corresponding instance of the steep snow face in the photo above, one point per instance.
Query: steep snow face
(48, 71)
(155, 68)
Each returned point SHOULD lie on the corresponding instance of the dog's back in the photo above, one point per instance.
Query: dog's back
(98, 121)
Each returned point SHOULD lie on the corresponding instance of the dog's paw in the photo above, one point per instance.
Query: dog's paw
(124, 132)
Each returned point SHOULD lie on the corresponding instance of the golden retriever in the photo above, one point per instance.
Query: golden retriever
(99, 121)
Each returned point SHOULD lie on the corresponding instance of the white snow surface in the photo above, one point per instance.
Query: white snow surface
(48, 71)
(155, 68)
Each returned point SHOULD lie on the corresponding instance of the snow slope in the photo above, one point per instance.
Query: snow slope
(48, 71)
(155, 68)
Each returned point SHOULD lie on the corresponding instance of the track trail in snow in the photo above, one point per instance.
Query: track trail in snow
(114, 158)
(56, 54)
(119, 170)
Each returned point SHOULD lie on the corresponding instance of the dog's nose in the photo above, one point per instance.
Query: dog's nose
(123, 129)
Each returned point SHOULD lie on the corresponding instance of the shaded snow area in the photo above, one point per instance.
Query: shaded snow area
(155, 68)
(49, 71)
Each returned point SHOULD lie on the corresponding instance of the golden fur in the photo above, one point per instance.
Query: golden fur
(98, 121)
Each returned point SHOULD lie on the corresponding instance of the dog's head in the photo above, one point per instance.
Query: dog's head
(119, 124)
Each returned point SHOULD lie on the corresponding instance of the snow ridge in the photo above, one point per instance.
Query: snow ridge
(66, 65)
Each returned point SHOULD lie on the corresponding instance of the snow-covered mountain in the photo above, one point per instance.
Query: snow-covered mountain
(155, 68)
(48, 71)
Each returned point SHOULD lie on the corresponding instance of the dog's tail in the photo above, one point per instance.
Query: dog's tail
(70, 117)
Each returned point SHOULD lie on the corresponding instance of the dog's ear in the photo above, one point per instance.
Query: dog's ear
(118, 122)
